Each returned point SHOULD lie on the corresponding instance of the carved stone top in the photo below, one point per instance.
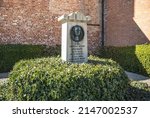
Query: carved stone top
(74, 17)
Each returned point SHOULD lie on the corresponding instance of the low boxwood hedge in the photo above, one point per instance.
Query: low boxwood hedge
(138, 91)
(52, 79)
(3, 91)
(134, 58)
(12, 53)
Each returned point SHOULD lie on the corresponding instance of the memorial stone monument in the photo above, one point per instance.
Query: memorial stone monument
(74, 37)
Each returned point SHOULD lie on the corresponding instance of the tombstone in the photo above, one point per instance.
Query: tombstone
(74, 46)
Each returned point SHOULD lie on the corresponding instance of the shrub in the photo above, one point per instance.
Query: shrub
(138, 91)
(3, 90)
(135, 58)
(52, 79)
(10, 54)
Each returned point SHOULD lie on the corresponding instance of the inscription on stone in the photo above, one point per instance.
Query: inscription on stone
(77, 52)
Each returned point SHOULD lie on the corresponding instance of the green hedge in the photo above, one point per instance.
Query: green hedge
(135, 58)
(138, 91)
(10, 54)
(52, 79)
(3, 91)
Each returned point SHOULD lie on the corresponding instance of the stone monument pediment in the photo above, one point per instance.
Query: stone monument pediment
(74, 17)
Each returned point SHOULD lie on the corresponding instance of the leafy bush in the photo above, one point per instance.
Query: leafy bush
(135, 58)
(3, 90)
(138, 92)
(10, 54)
(52, 79)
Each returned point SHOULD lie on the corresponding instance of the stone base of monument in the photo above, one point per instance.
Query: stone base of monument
(74, 37)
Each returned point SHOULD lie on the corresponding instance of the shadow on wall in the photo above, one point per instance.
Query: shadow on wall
(121, 28)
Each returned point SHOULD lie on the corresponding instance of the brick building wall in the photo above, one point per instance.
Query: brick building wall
(127, 22)
(35, 21)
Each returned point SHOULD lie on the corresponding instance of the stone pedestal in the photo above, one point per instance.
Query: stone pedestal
(74, 37)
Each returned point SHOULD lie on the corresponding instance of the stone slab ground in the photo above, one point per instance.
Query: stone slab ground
(137, 77)
(3, 77)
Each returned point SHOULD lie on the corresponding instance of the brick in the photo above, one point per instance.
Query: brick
(35, 21)
(127, 22)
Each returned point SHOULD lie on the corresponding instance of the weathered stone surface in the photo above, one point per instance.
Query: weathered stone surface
(74, 17)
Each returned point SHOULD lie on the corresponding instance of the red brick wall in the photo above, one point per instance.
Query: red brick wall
(35, 21)
(127, 22)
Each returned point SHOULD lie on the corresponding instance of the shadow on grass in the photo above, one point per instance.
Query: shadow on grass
(101, 62)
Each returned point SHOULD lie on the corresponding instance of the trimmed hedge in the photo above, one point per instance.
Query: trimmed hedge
(52, 79)
(138, 91)
(3, 91)
(134, 59)
(10, 54)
